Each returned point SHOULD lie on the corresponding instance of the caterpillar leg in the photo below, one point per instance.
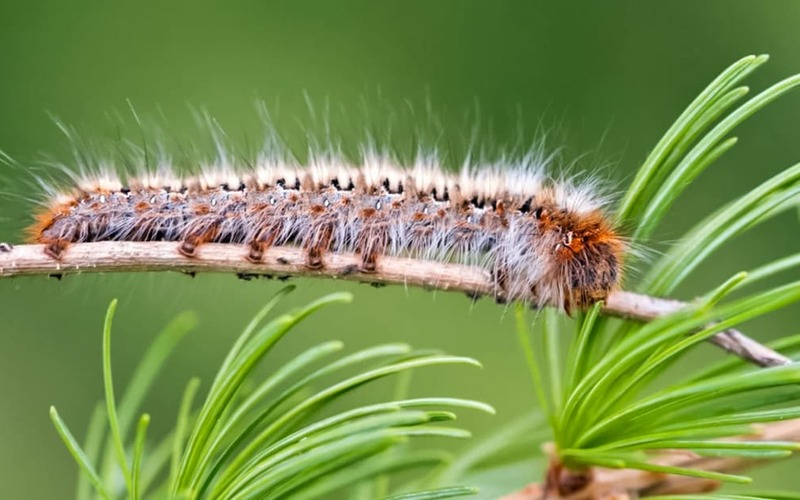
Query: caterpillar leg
(369, 262)
(56, 248)
(372, 243)
(318, 244)
(60, 237)
(263, 240)
(314, 258)
(256, 252)
(197, 236)
(370, 254)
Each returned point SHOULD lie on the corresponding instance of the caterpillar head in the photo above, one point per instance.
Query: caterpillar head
(586, 254)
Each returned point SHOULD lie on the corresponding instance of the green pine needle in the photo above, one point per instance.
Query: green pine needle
(265, 442)
(436, 494)
(111, 406)
(78, 454)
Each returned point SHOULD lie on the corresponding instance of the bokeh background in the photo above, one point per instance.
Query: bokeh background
(609, 77)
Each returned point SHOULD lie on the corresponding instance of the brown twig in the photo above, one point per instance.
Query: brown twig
(607, 484)
(120, 256)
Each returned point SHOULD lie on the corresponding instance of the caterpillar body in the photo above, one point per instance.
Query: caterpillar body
(546, 241)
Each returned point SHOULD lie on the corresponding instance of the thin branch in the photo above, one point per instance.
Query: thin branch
(646, 308)
(619, 484)
(121, 256)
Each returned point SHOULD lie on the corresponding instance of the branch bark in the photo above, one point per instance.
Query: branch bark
(123, 256)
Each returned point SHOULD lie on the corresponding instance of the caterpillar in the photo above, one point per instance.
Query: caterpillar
(544, 240)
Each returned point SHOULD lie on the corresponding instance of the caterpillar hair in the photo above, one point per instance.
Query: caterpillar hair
(543, 239)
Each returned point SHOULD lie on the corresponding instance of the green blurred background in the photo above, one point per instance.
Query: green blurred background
(609, 76)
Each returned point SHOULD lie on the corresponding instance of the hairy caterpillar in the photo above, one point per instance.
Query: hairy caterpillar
(542, 240)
